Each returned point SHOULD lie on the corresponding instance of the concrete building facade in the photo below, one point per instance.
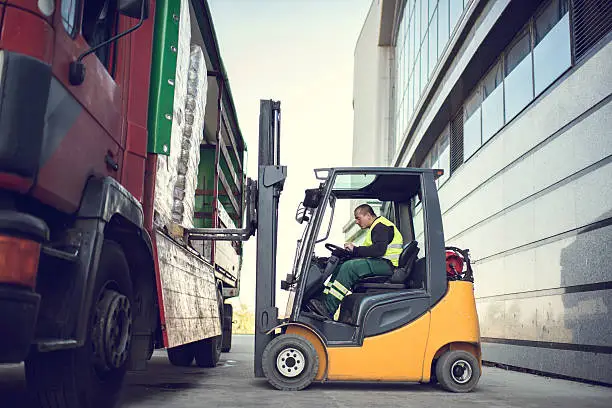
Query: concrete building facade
(512, 100)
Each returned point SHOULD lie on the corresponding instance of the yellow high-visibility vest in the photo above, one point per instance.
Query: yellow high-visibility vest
(394, 249)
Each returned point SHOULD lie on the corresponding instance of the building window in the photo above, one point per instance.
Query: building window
(69, 15)
(433, 42)
(424, 20)
(432, 7)
(443, 25)
(472, 126)
(439, 156)
(493, 104)
(552, 53)
(422, 35)
(519, 78)
(418, 223)
(444, 155)
(520, 73)
(418, 76)
(456, 9)
(413, 48)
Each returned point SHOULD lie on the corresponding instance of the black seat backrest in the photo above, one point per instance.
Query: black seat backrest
(417, 277)
(408, 254)
(406, 263)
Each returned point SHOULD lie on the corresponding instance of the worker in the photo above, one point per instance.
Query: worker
(378, 256)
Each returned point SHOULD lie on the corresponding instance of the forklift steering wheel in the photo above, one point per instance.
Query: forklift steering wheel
(339, 252)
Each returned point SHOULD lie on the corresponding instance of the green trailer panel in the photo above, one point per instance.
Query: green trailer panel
(163, 73)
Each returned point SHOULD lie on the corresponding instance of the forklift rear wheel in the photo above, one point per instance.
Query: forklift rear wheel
(91, 376)
(458, 371)
(290, 362)
(181, 356)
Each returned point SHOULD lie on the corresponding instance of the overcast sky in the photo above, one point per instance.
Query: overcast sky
(301, 53)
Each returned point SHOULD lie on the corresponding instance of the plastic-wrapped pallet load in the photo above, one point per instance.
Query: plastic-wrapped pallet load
(193, 129)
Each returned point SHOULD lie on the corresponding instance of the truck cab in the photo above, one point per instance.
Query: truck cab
(94, 201)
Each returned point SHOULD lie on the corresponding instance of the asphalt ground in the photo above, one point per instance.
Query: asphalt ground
(231, 384)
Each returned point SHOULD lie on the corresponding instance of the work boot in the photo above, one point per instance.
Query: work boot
(318, 307)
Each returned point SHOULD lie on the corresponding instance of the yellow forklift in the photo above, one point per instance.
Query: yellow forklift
(419, 325)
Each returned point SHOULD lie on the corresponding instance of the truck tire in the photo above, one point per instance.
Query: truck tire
(290, 362)
(458, 371)
(208, 351)
(181, 356)
(228, 316)
(91, 376)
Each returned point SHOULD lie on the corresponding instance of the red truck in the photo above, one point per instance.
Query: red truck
(105, 161)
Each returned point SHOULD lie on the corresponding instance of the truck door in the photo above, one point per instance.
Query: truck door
(83, 123)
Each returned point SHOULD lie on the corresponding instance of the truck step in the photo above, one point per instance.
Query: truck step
(46, 345)
(57, 253)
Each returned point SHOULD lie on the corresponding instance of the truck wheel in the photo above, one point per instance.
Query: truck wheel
(458, 371)
(91, 376)
(208, 351)
(290, 362)
(181, 356)
(228, 316)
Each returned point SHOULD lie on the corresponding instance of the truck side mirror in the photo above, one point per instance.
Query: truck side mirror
(133, 8)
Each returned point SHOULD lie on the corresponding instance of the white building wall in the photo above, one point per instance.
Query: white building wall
(533, 205)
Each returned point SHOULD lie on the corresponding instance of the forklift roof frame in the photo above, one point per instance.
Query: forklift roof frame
(435, 285)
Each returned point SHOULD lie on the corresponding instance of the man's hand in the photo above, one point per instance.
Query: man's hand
(349, 246)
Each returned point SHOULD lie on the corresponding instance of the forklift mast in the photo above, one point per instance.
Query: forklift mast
(271, 178)
(261, 216)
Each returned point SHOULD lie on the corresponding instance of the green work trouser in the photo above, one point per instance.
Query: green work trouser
(349, 272)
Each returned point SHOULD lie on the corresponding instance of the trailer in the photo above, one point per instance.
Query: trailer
(118, 134)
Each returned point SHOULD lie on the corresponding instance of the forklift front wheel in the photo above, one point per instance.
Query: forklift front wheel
(458, 371)
(290, 362)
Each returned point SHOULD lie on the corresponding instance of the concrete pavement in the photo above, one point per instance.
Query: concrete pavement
(231, 384)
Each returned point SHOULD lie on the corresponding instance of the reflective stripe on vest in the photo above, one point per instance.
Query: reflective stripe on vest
(394, 249)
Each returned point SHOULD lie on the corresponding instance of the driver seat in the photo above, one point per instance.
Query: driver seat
(399, 279)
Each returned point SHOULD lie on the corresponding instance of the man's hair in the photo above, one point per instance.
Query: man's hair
(365, 209)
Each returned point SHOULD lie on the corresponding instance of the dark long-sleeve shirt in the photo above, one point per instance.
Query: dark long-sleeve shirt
(382, 236)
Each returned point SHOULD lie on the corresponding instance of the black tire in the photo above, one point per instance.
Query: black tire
(208, 351)
(458, 371)
(433, 379)
(181, 356)
(82, 377)
(151, 349)
(228, 316)
(287, 348)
